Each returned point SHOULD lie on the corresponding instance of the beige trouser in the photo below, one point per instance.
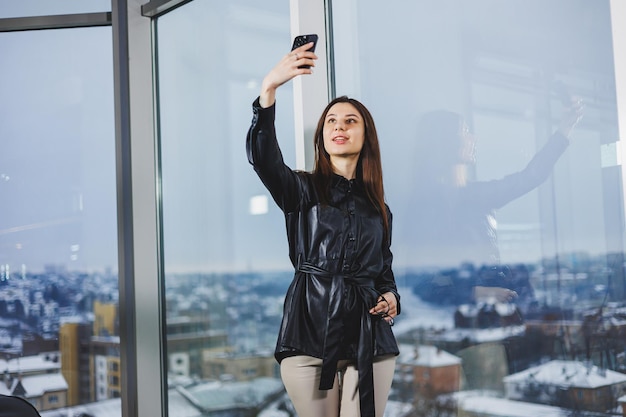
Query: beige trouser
(301, 377)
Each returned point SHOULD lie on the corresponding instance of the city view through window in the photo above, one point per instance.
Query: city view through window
(59, 324)
(508, 236)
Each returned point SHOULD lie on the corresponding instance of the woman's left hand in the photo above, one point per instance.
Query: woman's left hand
(386, 307)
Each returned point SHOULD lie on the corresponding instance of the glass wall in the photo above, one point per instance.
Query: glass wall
(225, 259)
(508, 237)
(59, 343)
(475, 220)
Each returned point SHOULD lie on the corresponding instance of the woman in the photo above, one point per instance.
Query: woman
(335, 346)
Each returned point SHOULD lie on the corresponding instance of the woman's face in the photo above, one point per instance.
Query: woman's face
(344, 131)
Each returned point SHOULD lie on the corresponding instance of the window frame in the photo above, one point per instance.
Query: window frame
(140, 250)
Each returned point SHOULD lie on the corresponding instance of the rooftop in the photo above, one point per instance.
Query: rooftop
(500, 407)
(423, 355)
(569, 373)
(29, 364)
(36, 385)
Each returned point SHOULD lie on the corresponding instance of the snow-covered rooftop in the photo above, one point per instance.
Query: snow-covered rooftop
(180, 407)
(28, 364)
(500, 407)
(223, 396)
(106, 408)
(569, 373)
(495, 334)
(424, 355)
(36, 385)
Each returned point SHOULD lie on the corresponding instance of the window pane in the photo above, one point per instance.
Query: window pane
(26, 8)
(225, 259)
(465, 94)
(58, 241)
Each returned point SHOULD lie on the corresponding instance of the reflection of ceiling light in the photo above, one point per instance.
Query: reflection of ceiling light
(18, 246)
(252, 85)
(258, 204)
(4, 177)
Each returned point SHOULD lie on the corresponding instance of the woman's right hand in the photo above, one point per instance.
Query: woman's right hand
(285, 70)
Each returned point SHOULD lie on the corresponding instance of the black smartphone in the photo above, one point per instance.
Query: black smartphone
(303, 40)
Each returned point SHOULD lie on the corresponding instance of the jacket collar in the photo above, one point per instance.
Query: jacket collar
(344, 184)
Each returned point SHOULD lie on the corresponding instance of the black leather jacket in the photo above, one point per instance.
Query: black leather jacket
(342, 263)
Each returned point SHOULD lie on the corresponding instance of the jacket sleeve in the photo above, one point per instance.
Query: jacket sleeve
(496, 193)
(265, 156)
(386, 282)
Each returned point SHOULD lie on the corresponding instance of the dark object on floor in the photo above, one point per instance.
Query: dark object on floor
(16, 407)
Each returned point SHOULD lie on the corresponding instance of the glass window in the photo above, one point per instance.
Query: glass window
(27, 8)
(224, 256)
(58, 240)
(508, 238)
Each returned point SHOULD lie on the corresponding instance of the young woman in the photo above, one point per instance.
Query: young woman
(335, 346)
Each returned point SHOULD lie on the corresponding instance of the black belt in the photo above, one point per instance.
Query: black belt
(333, 336)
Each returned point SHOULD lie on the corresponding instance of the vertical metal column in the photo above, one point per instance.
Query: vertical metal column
(143, 363)
(618, 17)
(310, 92)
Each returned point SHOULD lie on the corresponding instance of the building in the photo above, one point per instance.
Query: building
(485, 406)
(428, 370)
(74, 338)
(568, 384)
(37, 379)
(106, 381)
(220, 365)
(106, 319)
(188, 338)
(201, 399)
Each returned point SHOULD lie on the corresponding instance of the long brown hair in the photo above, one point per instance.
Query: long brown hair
(369, 166)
